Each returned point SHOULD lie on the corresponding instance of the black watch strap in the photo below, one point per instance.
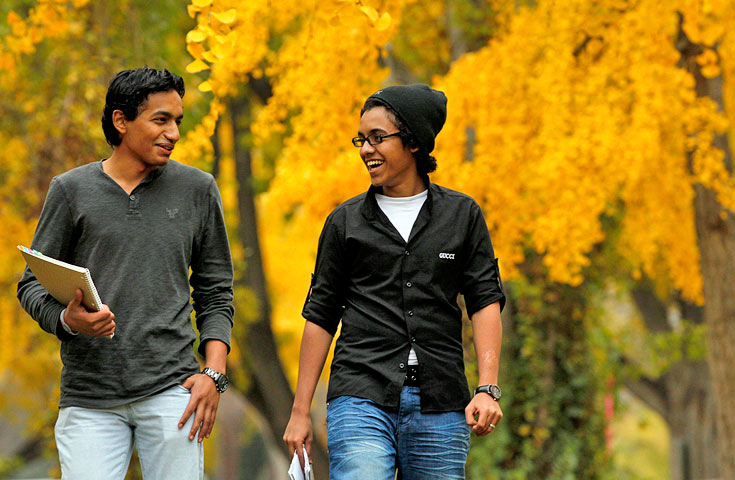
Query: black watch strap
(492, 390)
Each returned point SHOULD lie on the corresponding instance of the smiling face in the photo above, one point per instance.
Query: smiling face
(150, 138)
(391, 164)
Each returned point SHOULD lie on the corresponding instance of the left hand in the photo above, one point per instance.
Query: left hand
(203, 404)
(481, 412)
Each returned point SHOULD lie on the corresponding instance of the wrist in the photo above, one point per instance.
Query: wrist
(300, 409)
(221, 382)
(67, 328)
(492, 390)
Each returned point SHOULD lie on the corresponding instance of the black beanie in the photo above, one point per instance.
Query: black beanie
(421, 109)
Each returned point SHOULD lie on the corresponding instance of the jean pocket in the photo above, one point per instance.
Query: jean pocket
(182, 389)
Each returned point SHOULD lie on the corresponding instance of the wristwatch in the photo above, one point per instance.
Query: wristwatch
(220, 379)
(492, 390)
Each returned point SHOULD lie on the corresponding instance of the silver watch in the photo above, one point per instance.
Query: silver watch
(221, 382)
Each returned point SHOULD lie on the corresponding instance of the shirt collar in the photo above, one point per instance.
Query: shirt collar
(370, 207)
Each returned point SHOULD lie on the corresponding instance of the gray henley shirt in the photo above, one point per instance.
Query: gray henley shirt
(149, 253)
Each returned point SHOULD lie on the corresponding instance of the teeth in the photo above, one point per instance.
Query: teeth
(374, 163)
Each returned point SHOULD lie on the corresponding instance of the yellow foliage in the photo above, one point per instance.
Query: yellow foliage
(575, 112)
(48, 19)
(581, 111)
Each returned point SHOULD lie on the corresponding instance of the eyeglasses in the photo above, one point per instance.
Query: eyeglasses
(372, 139)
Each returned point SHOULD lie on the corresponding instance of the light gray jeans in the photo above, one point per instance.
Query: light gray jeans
(96, 444)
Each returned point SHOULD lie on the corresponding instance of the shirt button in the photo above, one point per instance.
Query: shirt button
(413, 339)
(409, 284)
(401, 365)
(410, 313)
(407, 253)
(132, 197)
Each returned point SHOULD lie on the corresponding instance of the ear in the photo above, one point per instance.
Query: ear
(413, 149)
(119, 121)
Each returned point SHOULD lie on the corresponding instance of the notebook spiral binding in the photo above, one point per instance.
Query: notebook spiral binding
(91, 286)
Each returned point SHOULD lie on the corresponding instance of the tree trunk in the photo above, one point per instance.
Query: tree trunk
(716, 240)
(269, 391)
(683, 396)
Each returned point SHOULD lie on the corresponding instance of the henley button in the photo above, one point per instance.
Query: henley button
(409, 284)
(132, 197)
(407, 253)
(413, 339)
(410, 313)
(401, 365)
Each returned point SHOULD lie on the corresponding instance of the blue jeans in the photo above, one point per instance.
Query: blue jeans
(98, 443)
(369, 442)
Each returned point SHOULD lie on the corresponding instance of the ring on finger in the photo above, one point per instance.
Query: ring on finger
(491, 425)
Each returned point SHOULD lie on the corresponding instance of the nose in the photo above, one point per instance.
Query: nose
(366, 148)
(172, 132)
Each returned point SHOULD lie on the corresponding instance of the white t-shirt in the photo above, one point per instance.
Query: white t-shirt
(402, 213)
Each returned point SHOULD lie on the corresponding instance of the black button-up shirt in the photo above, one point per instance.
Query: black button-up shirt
(392, 295)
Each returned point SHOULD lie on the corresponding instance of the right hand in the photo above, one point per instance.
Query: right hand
(94, 324)
(298, 432)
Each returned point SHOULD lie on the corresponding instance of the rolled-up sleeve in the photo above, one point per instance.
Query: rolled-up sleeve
(481, 284)
(325, 301)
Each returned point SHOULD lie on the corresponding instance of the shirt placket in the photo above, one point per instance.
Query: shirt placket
(409, 302)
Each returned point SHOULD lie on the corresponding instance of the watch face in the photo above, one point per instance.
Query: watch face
(495, 392)
(222, 383)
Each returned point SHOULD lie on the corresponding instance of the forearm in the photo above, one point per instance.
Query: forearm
(216, 355)
(40, 306)
(315, 345)
(488, 333)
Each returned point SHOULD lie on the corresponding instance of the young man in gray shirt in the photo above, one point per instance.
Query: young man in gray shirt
(152, 233)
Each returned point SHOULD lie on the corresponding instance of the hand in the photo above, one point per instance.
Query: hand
(203, 404)
(299, 432)
(482, 412)
(94, 324)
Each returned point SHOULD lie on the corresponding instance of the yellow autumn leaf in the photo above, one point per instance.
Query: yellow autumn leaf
(370, 12)
(13, 18)
(226, 17)
(196, 66)
(710, 71)
(195, 36)
(220, 50)
(205, 87)
(707, 56)
(196, 50)
(384, 22)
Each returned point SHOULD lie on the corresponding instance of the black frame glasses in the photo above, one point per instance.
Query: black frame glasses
(373, 139)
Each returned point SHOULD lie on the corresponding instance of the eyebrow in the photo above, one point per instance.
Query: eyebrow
(167, 114)
(374, 130)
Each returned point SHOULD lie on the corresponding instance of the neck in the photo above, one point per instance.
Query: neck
(125, 170)
(405, 189)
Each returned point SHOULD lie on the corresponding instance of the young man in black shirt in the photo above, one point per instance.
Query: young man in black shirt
(390, 265)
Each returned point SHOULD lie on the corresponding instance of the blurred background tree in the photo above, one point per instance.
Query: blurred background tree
(594, 134)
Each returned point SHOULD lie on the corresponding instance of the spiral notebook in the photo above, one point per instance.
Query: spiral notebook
(62, 279)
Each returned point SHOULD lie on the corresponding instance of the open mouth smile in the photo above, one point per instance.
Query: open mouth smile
(166, 146)
(373, 164)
